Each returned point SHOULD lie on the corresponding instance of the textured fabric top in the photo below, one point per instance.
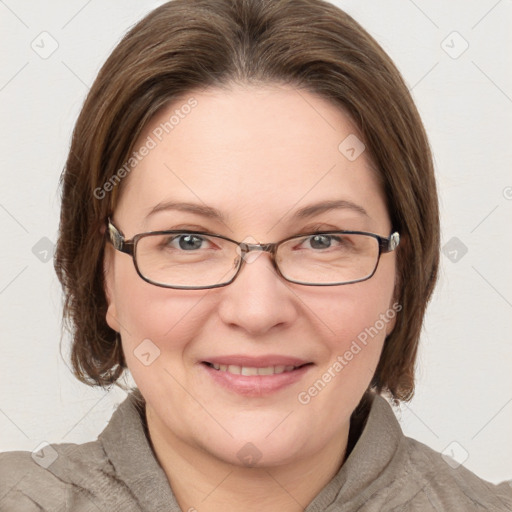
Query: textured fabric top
(385, 471)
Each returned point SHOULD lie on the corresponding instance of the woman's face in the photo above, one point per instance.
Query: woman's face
(256, 156)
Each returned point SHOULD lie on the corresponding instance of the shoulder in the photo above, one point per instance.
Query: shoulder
(407, 475)
(58, 477)
(22, 481)
(445, 484)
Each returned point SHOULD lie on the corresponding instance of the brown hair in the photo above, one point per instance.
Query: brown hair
(187, 45)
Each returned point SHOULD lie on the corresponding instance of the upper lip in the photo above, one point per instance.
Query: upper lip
(256, 361)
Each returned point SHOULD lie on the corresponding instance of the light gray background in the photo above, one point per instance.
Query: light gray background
(464, 377)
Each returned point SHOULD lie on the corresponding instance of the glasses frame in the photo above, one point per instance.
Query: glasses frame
(117, 239)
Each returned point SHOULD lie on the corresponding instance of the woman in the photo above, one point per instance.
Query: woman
(249, 226)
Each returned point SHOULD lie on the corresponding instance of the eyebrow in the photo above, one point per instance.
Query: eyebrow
(213, 213)
(326, 206)
(205, 211)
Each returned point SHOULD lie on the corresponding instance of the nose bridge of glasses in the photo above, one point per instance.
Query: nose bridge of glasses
(245, 248)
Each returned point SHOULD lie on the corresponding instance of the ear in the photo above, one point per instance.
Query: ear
(109, 287)
(394, 307)
(390, 325)
(393, 311)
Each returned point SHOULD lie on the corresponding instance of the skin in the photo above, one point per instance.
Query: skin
(257, 154)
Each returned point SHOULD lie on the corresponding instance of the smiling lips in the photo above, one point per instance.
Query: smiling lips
(252, 370)
(255, 376)
(270, 364)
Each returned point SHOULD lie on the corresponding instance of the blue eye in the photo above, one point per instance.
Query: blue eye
(324, 241)
(320, 241)
(188, 242)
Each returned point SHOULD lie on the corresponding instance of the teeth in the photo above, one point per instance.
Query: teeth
(249, 370)
(232, 368)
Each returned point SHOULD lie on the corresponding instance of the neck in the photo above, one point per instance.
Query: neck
(201, 481)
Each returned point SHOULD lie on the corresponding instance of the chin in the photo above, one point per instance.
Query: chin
(271, 443)
(258, 453)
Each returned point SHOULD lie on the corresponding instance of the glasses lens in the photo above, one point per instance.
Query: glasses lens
(192, 260)
(328, 258)
(186, 259)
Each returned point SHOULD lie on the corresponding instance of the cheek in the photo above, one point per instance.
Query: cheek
(358, 340)
(346, 314)
(352, 344)
(167, 318)
(355, 321)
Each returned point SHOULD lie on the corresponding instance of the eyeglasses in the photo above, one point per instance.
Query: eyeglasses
(194, 260)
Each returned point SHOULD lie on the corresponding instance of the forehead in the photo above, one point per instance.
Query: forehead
(252, 151)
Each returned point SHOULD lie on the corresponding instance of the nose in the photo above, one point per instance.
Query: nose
(258, 300)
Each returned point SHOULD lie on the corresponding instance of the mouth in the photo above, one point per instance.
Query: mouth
(254, 370)
(255, 376)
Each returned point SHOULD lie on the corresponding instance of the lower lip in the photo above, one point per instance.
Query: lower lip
(256, 385)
